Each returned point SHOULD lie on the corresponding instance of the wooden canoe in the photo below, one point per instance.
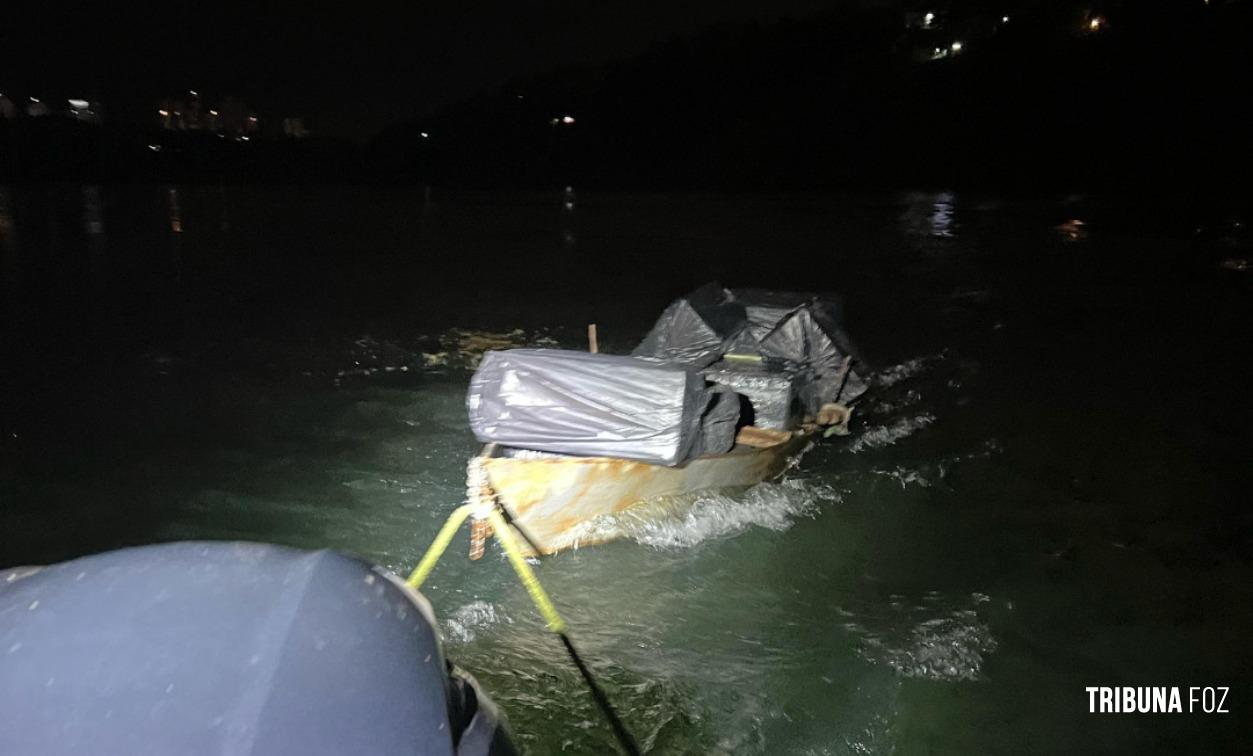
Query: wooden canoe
(564, 502)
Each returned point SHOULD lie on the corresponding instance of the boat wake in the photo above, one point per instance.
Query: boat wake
(682, 522)
(464, 624)
(934, 639)
(890, 376)
(878, 436)
(929, 474)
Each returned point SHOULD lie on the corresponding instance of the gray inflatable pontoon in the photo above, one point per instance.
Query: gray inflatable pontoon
(229, 648)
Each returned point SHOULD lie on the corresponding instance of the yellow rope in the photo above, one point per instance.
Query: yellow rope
(542, 602)
(440, 545)
(503, 534)
(525, 573)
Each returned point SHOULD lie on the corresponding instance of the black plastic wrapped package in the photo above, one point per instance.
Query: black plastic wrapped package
(585, 404)
(815, 391)
(693, 331)
(801, 334)
(720, 423)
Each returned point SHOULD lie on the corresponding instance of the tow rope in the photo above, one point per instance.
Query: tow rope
(503, 525)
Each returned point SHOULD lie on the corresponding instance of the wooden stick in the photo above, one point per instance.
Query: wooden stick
(842, 377)
(592, 346)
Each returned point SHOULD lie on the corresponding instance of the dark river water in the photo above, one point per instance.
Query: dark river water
(1047, 489)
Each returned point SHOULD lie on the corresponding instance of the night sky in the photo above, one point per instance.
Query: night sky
(350, 69)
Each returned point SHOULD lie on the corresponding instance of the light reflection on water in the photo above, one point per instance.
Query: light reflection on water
(1005, 525)
(929, 215)
(176, 212)
(8, 253)
(93, 212)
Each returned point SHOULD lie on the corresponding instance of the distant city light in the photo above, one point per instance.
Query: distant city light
(34, 99)
(1004, 19)
(424, 135)
(78, 104)
(243, 138)
(252, 119)
(154, 147)
(1096, 23)
(193, 93)
(927, 19)
(956, 46)
(213, 112)
(567, 119)
(163, 113)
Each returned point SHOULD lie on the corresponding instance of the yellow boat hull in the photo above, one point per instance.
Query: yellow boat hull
(557, 501)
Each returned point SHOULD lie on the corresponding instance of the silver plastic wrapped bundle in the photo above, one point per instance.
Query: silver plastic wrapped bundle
(587, 404)
(772, 394)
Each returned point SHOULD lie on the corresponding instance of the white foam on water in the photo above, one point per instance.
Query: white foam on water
(905, 476)
(888, 406)
(683, 522)
(463, 624)
(933, 473)
(894, 374)
(879, 436)
(930, 641)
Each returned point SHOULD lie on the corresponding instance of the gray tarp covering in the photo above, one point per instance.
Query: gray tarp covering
(795, 333)
(227, 648)
(802, 329)
(587, 404)
(816, 391)
(693, 330)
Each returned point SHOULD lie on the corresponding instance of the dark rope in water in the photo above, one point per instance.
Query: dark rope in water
(619, 729)
(598, 694)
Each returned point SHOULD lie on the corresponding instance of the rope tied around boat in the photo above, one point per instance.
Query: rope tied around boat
(485, 505)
